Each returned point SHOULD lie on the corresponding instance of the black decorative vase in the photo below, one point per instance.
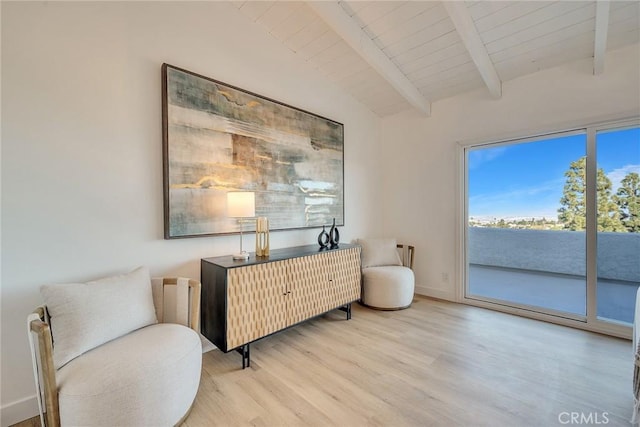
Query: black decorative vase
(334, 235)
(323, 238)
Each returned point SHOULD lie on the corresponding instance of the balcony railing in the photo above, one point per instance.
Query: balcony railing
(548, 269)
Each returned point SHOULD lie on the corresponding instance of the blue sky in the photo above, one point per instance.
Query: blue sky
(526, 180)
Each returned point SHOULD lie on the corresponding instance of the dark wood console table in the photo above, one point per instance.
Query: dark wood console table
(243, 301)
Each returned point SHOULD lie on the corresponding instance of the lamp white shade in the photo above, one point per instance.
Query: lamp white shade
(241, 204)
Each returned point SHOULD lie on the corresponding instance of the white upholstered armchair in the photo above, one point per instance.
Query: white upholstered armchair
(106, 356)
(388, 282)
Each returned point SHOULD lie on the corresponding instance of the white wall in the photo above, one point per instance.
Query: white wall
(81, 146)
(421, 179)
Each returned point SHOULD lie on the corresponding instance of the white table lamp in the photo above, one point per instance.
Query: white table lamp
(241, 205)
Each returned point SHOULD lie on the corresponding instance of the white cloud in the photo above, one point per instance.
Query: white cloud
(478, 157)
(538, 201)
(617, 175)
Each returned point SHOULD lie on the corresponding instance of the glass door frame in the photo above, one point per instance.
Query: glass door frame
(590, 321)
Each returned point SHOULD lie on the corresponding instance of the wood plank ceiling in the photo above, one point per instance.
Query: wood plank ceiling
(397, 55)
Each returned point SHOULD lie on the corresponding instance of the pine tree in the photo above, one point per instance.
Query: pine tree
(628, 201)
(572, 213)
(608, 212)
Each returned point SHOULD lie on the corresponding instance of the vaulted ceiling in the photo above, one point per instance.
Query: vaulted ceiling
(397, 55)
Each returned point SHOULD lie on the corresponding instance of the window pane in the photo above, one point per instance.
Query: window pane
(618, 195)
(526, 224)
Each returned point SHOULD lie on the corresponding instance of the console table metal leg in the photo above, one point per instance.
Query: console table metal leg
(245, 352)
(346, 309)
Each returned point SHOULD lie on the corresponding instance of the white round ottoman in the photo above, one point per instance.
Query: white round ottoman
(388, 287)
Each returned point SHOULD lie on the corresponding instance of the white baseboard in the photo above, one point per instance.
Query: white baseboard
(435, 293)
(207, 345)
(19, 410)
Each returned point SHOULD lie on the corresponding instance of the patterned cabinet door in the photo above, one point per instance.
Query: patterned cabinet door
(309, 282)
(322, 282)
(256, 302)
(345, 273)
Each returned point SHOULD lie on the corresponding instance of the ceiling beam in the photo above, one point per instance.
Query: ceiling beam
(463, 22)
(602, 30)
(338, 19)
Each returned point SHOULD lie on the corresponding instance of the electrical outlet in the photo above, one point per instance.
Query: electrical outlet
(445, 277)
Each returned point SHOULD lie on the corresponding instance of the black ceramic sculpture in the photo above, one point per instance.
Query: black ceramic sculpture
(334, 235)
(323, 238)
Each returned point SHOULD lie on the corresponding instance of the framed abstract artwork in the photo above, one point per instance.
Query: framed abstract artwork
(218, 138)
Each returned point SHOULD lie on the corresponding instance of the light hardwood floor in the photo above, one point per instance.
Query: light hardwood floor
(436, 363)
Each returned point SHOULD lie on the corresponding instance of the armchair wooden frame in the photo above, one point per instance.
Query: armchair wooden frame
(42, 330)
(406, 252)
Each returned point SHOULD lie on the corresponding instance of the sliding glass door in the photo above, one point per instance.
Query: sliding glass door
(525, 200)
(542, 216)
(618, 210)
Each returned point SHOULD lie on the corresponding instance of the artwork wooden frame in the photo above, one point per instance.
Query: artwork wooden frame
(219, 138)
